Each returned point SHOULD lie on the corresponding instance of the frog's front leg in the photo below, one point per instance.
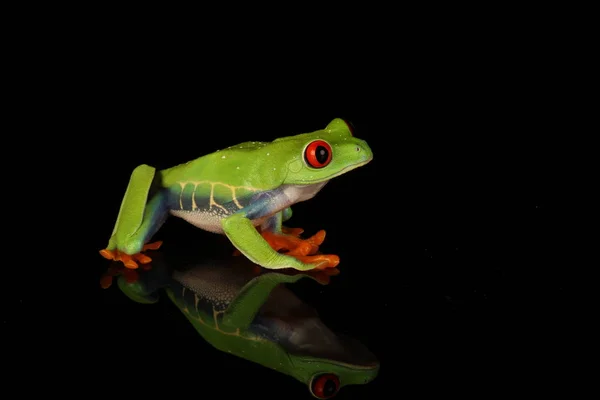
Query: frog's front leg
(286, 214)
(288, 240)
(244, 236)
(141, 214)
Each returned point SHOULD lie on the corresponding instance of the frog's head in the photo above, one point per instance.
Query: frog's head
(321, 155)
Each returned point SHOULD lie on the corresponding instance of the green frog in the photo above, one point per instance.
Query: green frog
(244, 192)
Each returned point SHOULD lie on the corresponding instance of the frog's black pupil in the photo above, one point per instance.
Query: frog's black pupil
(321, 154)
(329, 388)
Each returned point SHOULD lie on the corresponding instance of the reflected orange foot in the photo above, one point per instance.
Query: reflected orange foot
(130, 275)
(323, 276)
(131, 260)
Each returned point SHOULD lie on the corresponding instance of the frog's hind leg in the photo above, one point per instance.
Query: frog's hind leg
(143, 211)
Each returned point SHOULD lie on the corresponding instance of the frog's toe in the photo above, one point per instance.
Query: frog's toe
(130, 260)
(302, 249)
(108, 254)
(126, 259)
(309, 246)
(153, 246)
(294, 245)
(320, 261)
(317, 239)
(292, 231)
(142, 258)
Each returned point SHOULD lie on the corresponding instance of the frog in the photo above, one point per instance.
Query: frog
(245, 192)
(250, 312)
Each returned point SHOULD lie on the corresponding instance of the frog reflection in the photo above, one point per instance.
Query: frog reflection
(247, 311)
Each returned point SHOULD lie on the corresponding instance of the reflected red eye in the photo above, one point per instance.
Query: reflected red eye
(318, 154)
(325, 386)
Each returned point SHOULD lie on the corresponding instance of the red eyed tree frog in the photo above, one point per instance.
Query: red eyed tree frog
(245, 192)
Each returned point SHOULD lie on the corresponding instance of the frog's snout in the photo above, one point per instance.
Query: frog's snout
(365, 154)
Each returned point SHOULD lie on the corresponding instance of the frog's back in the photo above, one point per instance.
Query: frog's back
(230, 164)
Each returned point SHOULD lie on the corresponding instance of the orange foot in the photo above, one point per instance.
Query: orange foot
(321, 261)
(304, 250)
(131, 260)
(293, 231)
(291, 243)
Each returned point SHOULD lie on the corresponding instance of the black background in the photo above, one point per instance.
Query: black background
(449, 238)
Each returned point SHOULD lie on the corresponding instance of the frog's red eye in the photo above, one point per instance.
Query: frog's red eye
(324, 386)
(318, 154)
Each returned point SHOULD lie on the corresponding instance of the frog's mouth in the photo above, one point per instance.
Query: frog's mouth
(351, 167)
(341, 172)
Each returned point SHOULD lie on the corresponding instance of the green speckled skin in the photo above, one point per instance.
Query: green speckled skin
(234, 190)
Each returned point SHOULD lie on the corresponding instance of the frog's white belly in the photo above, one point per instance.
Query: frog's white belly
(201, 219)
(209, 220)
